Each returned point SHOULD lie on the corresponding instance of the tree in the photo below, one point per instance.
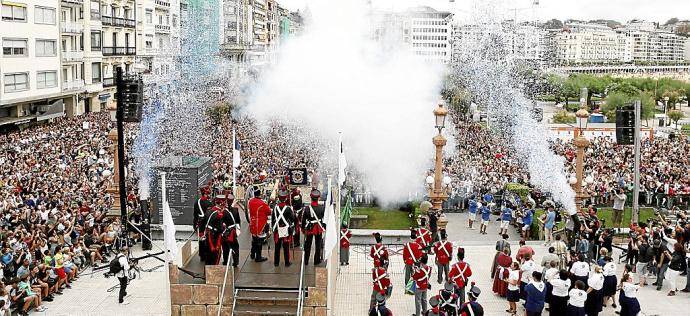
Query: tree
(553, 24)
(563, 117)
(613, 101)
(219, 111)
(671, 21)
(675, 116)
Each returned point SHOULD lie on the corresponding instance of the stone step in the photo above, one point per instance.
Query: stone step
(241, 309)
(255, 297)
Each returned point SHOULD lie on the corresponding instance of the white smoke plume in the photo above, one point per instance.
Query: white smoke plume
(486, 66)
(337, 77)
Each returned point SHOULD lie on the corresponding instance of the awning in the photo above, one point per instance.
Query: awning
(16, 120)
(14, 4)
(104, 97)
(56, 109)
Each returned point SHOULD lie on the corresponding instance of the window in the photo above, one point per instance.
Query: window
(14, 47)
(96, 41)
(45, 48)
(96, 72)
(43, 15)
(16, 82)
(13, 13)
(46, 79)
(149, 17)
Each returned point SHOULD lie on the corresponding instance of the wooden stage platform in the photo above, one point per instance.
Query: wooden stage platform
(254, 275)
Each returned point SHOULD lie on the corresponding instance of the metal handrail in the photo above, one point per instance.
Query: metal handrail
(300, 295)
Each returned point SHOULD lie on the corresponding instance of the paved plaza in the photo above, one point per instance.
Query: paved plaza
(354, 281)
(95, 295)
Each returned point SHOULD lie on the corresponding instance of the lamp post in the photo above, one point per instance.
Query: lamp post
(580, 143)
(438, 195)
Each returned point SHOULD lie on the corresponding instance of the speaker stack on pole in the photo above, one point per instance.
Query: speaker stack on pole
(625, 125)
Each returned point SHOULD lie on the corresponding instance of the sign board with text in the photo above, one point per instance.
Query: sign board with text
(183, 177)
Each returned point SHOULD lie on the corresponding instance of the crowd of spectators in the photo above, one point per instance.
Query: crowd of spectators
(484, 162)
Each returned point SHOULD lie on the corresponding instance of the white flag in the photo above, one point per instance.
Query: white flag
(329, 219)
(169, 233)
(342, 164)
(168, 224)
(235, 150)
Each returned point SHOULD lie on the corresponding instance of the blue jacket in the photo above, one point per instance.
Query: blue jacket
(473, 206)
(486, 212)
(535, 297)
(527, 220)
(506, 214)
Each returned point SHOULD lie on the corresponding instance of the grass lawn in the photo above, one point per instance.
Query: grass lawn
(384, 218)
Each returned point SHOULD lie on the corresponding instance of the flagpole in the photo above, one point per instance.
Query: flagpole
(234, 179)
(165, 244)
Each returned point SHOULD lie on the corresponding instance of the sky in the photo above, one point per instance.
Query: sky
(620, 10)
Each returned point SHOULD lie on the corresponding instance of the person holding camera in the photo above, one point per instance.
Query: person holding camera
(123, 274)
(619, 198)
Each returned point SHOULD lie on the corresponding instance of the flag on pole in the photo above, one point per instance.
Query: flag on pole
(342, 164)
(235, 150)
(168, 224)
(329, 219)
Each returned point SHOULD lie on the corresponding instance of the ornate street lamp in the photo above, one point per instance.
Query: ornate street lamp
(438, 194)
(580, 143)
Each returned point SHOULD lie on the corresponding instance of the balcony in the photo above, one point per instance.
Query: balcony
(118, 22)
(71, 27)
(108, 82)
(73, 85)
(163, 4)
(160, 28)
(72, 56)
(118, 51)
(80, 2)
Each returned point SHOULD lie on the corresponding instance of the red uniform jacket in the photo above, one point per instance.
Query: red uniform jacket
(444, 251)
(380, 280)
(460, 273)
(412, 252)
(259, 213)
(423, 237)
(380, 254)
(345, 236)
(421, 276)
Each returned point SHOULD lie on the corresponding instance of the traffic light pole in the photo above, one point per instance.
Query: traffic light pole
(636, 187)
(120, 115)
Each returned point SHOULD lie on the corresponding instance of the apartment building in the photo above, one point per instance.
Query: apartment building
(158, 37)
(118, 37)
(430, 33)
(31, 82)
(237, 16)
(259, 31)
(590, 43)
(648, 44)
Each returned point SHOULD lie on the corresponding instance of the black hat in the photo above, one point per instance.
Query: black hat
(257, 191)
(433, 301)
(449, 286)
(413, 233)
(377, 236)
(422, 221)
(443, 234)
(474, 291)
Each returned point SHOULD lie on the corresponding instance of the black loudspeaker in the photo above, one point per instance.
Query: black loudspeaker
(625, 125)
(146, 225)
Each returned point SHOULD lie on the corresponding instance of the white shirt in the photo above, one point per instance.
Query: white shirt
(577, 298)
(630, 290)
(560, 287)
(596, 281)
(580, 269)
(551, 273)
(527, 269)
(609, 269)
(513, 275)
(125, 266)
